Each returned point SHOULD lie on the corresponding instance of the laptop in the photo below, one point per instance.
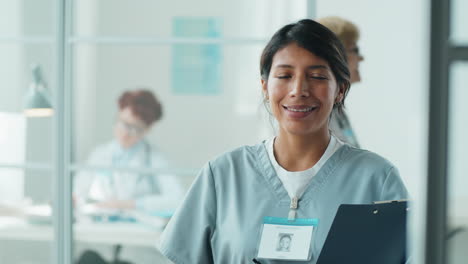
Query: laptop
(367, 234)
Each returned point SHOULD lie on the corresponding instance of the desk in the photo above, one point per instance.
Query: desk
(126, 234)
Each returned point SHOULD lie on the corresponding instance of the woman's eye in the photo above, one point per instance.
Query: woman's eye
(318, 77)
(283, 76)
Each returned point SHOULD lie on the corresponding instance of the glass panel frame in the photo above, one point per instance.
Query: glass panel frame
(457, 212)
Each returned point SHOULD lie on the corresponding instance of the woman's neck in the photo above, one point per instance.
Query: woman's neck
(300, 152)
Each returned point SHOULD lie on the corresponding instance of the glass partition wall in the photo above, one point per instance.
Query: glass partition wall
(27, 45)
(200, 61)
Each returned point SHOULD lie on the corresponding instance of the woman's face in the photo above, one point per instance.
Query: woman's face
(301, 90)
(354, 58)
(129, 129)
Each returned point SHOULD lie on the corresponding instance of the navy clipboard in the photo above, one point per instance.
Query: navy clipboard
(367, 234)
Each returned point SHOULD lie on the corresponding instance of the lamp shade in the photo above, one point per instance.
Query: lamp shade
(37, 101)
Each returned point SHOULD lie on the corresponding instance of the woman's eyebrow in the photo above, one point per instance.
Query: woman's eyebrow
(284, 66)
(320, 66)
(311, 67)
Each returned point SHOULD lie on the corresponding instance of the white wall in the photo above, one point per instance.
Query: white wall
(458, 167)
(10, 25)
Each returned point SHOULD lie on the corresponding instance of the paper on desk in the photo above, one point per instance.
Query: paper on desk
(38, 214)
(155, 219)
(151, 220)
(93, 209)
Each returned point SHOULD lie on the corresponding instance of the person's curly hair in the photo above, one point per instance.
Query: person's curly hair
(143, 104)
(345, 30)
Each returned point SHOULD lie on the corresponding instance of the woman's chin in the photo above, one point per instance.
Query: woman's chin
(126, 145)
(306, 132)
(356, 77)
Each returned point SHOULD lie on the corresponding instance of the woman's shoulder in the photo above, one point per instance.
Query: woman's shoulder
(363, 157)
(238, 153)
(243, 157)
(235, 167)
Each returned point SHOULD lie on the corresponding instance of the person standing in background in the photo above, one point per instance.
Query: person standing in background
(348, 34)
(139, 110)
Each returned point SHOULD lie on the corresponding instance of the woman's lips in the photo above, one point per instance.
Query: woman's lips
(299, 111)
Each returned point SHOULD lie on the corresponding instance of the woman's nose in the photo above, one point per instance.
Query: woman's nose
(300, 88)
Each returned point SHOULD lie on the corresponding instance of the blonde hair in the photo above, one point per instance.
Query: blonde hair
(345, 30)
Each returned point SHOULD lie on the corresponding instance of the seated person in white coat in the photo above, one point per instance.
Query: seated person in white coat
(139, 110)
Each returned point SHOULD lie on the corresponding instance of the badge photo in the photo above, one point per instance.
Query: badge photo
(285, 239)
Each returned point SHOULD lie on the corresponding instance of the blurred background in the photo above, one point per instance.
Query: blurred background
(201, 59)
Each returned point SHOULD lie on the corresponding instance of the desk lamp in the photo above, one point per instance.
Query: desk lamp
(37, 102)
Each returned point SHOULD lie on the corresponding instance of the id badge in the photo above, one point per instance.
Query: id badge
(286, 239)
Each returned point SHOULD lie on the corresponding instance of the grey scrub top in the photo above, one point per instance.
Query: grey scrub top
(221, 218)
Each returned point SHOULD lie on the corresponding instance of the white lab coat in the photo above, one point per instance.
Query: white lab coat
(151, 192)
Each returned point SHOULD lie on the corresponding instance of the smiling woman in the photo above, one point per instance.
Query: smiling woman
(302, 90)
(303, 174)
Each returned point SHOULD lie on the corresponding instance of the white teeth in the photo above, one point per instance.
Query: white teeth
(301, 110)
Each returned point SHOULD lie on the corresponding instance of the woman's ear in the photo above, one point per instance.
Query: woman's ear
(264, 89)
(338, 99)
(341, 91)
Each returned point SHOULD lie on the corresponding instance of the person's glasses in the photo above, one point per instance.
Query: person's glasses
(354, 50)
(132, 130)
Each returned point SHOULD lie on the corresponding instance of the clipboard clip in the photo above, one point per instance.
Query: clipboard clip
(391, 201)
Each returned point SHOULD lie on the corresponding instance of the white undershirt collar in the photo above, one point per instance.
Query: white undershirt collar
(295, 182)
